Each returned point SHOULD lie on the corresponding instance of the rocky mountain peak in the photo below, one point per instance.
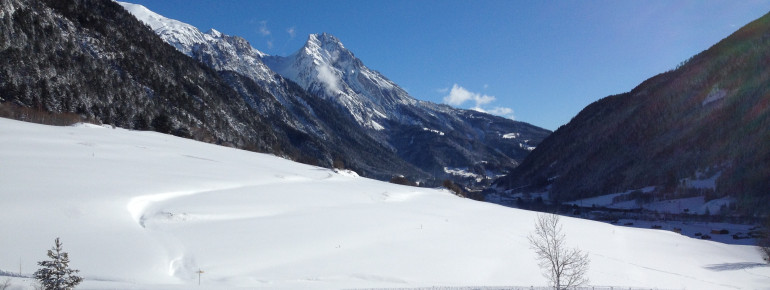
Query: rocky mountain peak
(326, 41)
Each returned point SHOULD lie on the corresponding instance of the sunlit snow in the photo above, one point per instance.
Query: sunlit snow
(139, 210)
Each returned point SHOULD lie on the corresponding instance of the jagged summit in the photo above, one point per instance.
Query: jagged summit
(325, 40)
(326, 68)
(328, 49)
(215, 33)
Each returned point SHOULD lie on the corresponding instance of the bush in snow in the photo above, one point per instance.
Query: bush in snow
(402, 180)
(454, 187)
(5, 284)
(763, 242)
(56, 274)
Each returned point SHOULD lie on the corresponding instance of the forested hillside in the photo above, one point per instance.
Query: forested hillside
(69, 61)
(711, 115)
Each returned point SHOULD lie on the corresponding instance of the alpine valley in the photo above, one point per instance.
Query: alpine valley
(185, 207)
(330, 97)
(320, 105)
(697, 134)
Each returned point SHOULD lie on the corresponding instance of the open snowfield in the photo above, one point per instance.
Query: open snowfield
(139, 210)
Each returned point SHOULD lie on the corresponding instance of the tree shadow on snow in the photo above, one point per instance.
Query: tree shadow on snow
(734, 266)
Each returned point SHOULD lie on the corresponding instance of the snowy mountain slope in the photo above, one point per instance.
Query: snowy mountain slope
(240, 56)
(93, 60)
(217, 50)
(703, 116)
(142, 210)
(381, 110)
(324, 66)
(316, 131)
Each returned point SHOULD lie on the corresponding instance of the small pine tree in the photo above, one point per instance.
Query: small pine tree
(56, 274)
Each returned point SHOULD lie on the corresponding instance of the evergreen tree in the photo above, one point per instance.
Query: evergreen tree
(56, 274)
(162, 123)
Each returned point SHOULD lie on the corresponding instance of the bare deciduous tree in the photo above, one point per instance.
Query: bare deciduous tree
(564, 267)
(5, 284)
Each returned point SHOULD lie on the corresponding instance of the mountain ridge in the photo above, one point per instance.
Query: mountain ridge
(385, 112)
(708, 116)
(93, 60)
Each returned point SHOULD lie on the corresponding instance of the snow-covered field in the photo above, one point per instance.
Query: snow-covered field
(692, 205)
(144, 210)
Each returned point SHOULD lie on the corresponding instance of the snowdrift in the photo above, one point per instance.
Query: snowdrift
(140, 210)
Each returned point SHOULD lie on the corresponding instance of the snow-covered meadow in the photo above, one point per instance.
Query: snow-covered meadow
(144, 210)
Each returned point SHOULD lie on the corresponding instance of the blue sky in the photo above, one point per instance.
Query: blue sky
(539, 62)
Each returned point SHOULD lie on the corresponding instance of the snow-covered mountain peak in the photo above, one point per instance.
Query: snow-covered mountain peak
(179, 34)
(326, 42)
(215, 33)
(326, 50)
(325, 67)
(220, 51)
(187, 38)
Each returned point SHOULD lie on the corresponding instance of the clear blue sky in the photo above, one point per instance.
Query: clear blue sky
(544, 60)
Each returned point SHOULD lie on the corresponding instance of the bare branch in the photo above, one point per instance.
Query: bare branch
(5, 284)
(562, 266)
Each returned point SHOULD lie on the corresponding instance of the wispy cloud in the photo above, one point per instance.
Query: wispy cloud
(503, 112)
(459, 95)
(270, 44)
(292, 32)
(262, 29)
(329, 79)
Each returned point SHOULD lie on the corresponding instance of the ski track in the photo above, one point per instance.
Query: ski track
(147, 212)
(667, 272)
(138, 206)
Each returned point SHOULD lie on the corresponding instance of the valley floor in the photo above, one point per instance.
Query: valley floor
(139, 210)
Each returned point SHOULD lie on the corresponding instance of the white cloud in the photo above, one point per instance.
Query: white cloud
(459, 95)
(483, 99)
(270, 44)
(292, 32)
(503, 112)
(329, 79)
(262, 30)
